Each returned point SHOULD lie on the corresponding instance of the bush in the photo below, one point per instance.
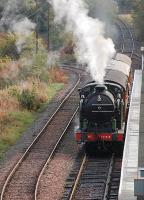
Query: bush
(57, 75)
(9, 70)
(28, 100)
(8, 102)
(7, 45)
(34, 66)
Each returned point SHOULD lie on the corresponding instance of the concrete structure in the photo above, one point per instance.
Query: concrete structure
(131, 150)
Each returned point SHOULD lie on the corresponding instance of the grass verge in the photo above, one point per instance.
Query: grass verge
(18, 121)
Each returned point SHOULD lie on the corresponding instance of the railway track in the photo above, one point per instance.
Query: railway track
(127, 41)
(128, 45)
(21, 182)
(120, 43)
(98, 178)
(51, 156)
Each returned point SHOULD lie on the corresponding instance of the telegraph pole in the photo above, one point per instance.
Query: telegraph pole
(48, 27)
(142, 51)
(36, 30)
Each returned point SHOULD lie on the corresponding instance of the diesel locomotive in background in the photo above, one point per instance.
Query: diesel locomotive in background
(104, 107)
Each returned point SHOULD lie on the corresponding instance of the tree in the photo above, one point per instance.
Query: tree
(126, 4)
(138, 16)
(104, 10)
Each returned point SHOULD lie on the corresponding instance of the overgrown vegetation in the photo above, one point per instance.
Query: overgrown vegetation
(126, 5)
(28, 79)
(15, 116)
(26, 85)
(138, 17)
(7, 45)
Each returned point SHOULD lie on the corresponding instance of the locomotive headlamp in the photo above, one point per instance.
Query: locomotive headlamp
(99, 99)
(119, 96)
(82, 96)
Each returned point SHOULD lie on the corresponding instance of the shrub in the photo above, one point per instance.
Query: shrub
(8, 103)
(57, 75)
(9, 71)
(7, 45)
(28, 100)
(37, 86)
(34, 66)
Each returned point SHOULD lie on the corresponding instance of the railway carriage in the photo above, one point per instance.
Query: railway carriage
(103, 107)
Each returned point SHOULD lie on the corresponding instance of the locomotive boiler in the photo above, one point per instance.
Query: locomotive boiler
(103, 107)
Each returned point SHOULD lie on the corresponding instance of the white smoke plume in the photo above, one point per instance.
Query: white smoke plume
(22, 29)
(10, 13)
(92, 48)
(16, 22)
(53, 58)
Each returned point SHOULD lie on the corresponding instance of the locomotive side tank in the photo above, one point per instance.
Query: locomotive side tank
(103, 107)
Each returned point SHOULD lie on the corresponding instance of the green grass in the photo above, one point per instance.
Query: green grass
(51, 90)
(19, 121)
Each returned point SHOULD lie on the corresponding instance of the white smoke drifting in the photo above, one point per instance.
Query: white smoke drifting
(53, 58)
(23, 29)
(14, 21)
(92, 48)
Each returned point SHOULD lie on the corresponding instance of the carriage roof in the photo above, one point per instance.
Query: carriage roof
(123, 58)
(121, 63)
(116, 77)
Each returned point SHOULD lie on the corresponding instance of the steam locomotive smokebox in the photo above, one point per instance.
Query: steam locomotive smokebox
(99, 105)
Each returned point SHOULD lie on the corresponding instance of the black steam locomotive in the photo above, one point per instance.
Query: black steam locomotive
(103, 107)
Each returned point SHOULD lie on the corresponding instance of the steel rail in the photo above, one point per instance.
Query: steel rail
(11, 174)
(78, 178)
(52, 154)
(74, 188)
(109, 178)
(123, 38)
(131, 36)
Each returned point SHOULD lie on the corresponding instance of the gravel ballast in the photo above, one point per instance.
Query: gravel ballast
(54, 178)
(16, 151)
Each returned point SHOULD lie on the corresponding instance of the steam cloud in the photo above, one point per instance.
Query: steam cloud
(22, 29)
(92, 48)
(13, 21)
